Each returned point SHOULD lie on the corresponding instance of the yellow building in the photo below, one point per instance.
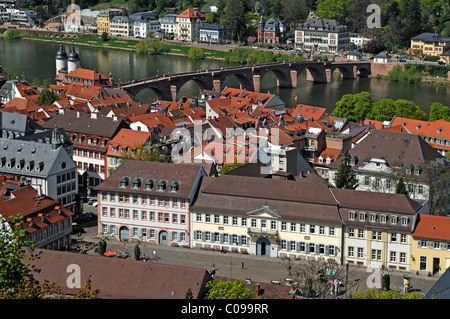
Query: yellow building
(377, 228)
(430, 247)
(259, 216)
(104, 20)
(429, 44)
(445, 57)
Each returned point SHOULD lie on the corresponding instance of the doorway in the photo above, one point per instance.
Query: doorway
(436, 265)
(124, 234)
(163, 238)
(263, 247)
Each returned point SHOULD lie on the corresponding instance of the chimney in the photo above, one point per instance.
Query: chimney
(257, 290)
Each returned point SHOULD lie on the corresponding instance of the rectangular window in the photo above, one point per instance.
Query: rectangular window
(321, 230)
(273, 225)
(293, 227)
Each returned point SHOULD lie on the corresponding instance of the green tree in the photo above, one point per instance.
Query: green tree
(228, 290)
(401, 187)
(101, 247)
(408, 109)
(14, 250)
(47, 97)
(345, 176)
(234, 18)
(411, 17)
(137, 252)
(439, 111)
(13, 34)
(196, 53)
(332, 9)
(105, 36)
(383, 110)
(386, 294)
(151, 45)
(407, 75)
(355, 107)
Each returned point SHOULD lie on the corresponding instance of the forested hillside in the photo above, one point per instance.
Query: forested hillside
(400, 19)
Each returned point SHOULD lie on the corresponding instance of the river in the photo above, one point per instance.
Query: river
(36, 59)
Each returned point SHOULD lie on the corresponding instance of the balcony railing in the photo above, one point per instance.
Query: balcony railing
(262, 232)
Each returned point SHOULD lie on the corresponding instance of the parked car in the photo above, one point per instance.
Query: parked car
(87, 216)
(441, 62)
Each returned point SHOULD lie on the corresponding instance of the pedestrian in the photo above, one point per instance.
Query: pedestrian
(242, 265)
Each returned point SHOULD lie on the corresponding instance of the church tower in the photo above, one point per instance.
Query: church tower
(61, 59)
(73, 61)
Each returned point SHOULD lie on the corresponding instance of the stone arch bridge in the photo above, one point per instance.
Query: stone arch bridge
(167, 86)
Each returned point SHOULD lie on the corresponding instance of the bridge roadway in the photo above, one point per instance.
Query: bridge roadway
(166, 86)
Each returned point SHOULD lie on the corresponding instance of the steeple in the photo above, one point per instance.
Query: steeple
(74, 60)
(61, 59)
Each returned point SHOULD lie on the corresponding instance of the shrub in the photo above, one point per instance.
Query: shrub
(196, 53)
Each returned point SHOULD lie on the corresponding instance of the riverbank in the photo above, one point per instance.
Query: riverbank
(94, 40)
(441, 81)
(229, 53)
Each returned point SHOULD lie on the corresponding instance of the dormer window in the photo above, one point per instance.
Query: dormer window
(373, 218)
(149, 183)
(174, 187)
(409, 169)
(124, 182)
(417, 170)
(404, 221)
(136, 183)
(383, 219)
(362, 217)
(161, 186)
(351, 215)
(393, 220)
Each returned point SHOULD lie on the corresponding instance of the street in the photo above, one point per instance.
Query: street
(258, 269)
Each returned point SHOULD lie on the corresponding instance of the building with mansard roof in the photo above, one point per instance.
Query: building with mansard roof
(324, 35)
(148, 201)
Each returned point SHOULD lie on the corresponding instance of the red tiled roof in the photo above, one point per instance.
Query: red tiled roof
(309, 112)
(433, 227)
(192, 14)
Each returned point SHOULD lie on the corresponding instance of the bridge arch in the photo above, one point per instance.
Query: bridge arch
(282, 75)
(364, 71)
(244, 81)
(202, 85)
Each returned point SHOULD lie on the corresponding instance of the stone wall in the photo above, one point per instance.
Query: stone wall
(383, 68)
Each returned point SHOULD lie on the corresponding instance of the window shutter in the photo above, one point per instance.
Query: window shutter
(317, 249)
(297, 245)
(307, 248)
(327, 250)
(140, 232)
(203, 236)
(288, 245)
(179, 236)
(239, 240)
(221, 238)
(108, 228)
